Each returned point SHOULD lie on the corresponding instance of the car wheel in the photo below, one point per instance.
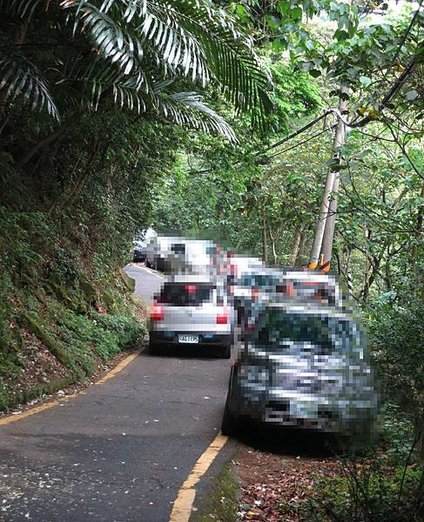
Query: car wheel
(155, 349)
(226, 353)
(229, 425)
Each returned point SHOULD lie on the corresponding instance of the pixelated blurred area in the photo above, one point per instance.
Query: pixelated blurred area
(300, 358)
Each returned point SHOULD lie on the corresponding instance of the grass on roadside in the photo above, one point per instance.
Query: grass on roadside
(220, 501)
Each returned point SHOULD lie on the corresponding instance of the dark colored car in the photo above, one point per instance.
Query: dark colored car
(139, 253)
(304, 367)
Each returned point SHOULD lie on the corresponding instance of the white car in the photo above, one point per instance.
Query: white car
(192, 310)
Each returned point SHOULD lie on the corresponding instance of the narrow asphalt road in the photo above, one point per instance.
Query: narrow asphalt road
(147, 282)
(120, 451)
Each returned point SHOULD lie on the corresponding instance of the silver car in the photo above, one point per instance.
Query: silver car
(192, 311)
(304, 367)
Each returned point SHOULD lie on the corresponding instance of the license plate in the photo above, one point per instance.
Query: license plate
(188, 339)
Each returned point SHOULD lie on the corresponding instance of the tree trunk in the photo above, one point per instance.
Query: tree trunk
(264, 239)
(324, 232)
(296, 246)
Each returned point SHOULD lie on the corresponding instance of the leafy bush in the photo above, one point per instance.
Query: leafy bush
(396, 434)
(129, 331)
(368, 490)
(397, 339)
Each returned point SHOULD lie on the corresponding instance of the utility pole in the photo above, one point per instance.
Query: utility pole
(324, 233)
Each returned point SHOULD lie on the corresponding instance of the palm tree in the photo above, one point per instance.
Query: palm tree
(147, 55)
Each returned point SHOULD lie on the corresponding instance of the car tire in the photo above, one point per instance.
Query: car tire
(229, 425)
(226, 352)
(155, 349)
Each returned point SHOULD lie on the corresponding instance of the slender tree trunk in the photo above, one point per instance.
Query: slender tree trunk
(273, 241)
(324, 232)
(296, 246)
(371, 273)
(264, 239)
(347, 272)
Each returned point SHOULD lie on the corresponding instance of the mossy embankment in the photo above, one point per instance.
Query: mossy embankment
(72, 196)
(63, 313)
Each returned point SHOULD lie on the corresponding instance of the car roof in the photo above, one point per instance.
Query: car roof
(309, 275)
(191, 278)
(310, 309)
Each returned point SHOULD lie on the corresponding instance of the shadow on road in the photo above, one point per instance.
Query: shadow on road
(186, 352)
(285, 441)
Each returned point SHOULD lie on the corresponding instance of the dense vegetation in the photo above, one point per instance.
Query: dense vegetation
(101, 105)
(85, 95)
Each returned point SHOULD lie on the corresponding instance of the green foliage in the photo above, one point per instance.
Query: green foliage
(397, 433)
(221, 193)
(367, 491)
(78, 341)
(144, 57)
(397, 336)
(127, 331)
(66, 232)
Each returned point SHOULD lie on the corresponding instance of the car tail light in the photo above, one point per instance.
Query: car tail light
(222, 318)
(157, 312)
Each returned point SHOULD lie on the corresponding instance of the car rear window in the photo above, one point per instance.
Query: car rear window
(178, 248)
(258, 280)
(279, 331)
(186, 294)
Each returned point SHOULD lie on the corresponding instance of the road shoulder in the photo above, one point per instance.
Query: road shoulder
(104, 373)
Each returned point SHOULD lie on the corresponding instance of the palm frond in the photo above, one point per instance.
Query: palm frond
(228, 53)
(188, 38)
(20, 78)
(124, 30)
(21, 8)
(188, 109)
(125, 47)
(184, 108)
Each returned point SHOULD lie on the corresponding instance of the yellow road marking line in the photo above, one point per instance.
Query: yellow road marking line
(38, 409)
(118, 368)
(183, 504)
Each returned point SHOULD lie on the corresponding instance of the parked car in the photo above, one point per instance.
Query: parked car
(192, 311)
(311, 287)
(175, 255)
(238, 265)
(140, 242)
(157, 250)
(139, 252)
(304, 367)
(251, 289)
(288, 286)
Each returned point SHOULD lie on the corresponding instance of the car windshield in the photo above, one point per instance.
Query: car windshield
(185, 294)
(279, 330)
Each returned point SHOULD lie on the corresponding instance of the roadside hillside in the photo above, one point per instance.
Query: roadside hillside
(60, 320)
(68, 219)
